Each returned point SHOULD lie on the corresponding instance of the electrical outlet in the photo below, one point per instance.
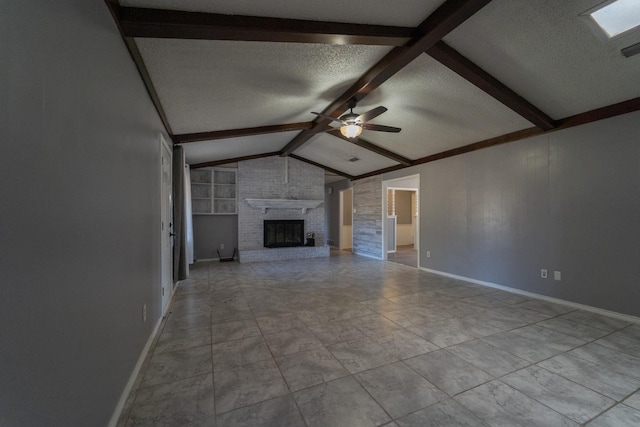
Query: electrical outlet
(144, 312)
(428, 254)
(221, 245)
(557, 275)
(543, 273)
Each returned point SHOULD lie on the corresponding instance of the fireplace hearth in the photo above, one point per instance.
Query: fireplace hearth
(283, 233)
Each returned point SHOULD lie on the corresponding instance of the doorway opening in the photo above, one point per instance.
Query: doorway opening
(346, 220)
(401, 225)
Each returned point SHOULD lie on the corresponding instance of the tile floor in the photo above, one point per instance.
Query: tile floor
(350, 341)
(406, 255)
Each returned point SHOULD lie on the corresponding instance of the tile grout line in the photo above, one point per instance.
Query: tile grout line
(336, 290)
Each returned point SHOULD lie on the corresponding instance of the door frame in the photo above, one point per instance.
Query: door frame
(166, 221)
(400, 184)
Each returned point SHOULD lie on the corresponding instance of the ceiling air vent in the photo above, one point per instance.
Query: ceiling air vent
(354, 159)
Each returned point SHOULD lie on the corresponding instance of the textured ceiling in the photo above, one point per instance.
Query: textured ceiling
(335, 153)
(404, 13)
(549, 54)
(217, 85)
(438, 110)
(544, 51)
(230, 148)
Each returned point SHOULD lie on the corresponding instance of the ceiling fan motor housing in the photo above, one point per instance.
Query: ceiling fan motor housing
(349, 118)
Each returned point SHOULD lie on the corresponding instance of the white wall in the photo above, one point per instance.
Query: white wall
(346, 233)
(405, 234)
(80, 246)
(405, 227)
(347, 237)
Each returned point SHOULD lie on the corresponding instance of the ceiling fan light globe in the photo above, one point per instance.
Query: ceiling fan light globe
(351, 131)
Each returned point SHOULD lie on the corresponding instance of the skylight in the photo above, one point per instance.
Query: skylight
(617, 17)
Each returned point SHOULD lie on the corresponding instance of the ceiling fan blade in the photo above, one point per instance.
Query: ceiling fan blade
(380, 128)
(330, 129)
(324, 116)
(371, 114)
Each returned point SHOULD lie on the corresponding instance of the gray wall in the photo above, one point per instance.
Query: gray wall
(566, 201)
(80, 214)
(367, 220)
(332, 210)
(209, 231)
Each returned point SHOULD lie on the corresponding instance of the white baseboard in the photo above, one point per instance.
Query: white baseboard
(136, 371)
(602, 311)
(207, 260)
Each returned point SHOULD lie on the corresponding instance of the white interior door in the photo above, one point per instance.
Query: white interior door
(166, 229)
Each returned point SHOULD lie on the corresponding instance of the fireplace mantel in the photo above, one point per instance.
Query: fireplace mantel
(265, 204)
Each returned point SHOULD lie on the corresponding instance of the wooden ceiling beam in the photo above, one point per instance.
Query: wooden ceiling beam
(459, 64)
(232, 160)
(442, 21)
(327, 168)
(492, 142)
(613, 110)
(379, 172)
(176, 24)
(236, 133)
(609, 111)
(134, 52)
(360, 142)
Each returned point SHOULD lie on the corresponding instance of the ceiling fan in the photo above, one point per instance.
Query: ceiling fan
(353, 124)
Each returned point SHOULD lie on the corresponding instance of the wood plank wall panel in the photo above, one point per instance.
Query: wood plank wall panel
(367, 218)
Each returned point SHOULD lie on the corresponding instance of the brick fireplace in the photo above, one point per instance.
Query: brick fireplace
(279, 188)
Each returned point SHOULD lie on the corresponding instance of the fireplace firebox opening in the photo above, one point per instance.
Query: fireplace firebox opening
(283, 233)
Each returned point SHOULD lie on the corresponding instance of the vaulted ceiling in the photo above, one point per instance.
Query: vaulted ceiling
(239, 79)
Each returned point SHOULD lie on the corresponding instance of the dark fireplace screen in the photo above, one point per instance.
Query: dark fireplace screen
(283, 233)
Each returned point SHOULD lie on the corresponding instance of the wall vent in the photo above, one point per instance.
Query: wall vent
(631, 50)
